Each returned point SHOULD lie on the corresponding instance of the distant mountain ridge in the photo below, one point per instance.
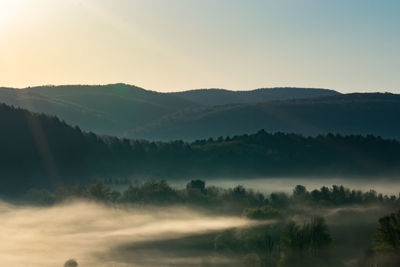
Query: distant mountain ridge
(129, 111)
(375, 114)
(110, 109)
(213, 97)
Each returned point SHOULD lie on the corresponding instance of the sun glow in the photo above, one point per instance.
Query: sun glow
(9, 10)
(76, 41)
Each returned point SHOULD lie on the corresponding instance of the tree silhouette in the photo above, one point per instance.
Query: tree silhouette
(388, 232)
(71, 263)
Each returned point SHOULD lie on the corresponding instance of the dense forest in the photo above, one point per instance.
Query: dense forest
(42, 151)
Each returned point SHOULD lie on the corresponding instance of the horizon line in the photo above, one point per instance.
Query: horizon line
(187, 90)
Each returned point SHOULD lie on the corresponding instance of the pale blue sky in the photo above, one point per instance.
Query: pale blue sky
(172, 45)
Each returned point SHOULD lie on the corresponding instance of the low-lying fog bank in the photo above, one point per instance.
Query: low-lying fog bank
(153, 224)
(88, 232)
(386, 186)
(103, 235)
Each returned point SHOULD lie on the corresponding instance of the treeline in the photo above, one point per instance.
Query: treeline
(44, 152)
(155, 192)
(339, 195)
(254, 205)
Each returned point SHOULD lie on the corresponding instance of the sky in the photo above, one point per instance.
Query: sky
(175, 45)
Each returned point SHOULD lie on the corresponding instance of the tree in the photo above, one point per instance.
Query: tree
(386, 249)
(71, 263)
(279, 200)
(252, 260)
(196, 185)
(306, 245)
(239, 192)
(318, 235)
(388, 233)
(262, 213)
(299, 193)
(100, 192)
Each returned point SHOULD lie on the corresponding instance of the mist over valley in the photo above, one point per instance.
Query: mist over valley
(199, 133)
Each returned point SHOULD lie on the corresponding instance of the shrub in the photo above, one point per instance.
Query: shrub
(262, 213)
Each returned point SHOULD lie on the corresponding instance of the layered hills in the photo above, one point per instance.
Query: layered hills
(131, 112)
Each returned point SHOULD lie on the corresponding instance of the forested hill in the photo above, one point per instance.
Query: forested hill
(363, 113)
(132, 112)
(44, 152)
(123, 110)
(113, 109)
(215, 97)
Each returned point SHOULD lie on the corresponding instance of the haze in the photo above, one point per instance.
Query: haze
(177, 44)
(268, 185)
(88, 232)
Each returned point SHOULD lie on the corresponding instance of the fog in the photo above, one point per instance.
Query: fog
(142, 235)
(386, 186)
(92, 234)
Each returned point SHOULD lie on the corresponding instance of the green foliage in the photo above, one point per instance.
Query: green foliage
(99, 192)
(388, 233)
(293, 245)
(252, 260)
(279, 200)
(225, 242)
(386, 243)
(307, 238)
(338, 195)
(43, 152)
(71, 263)
(262, 213)
(151, 192)
(199, 185)
(250, 204)
(306, 245)
(300, 192)
(262, 240)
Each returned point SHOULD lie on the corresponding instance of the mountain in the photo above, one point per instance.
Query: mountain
(132, 112)
(214, 97)
(111, 109)
(39, 151)
(121, 109)
(373, 113)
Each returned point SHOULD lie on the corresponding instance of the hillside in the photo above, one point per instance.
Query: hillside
(214, 97)
(110, 109)
(39, 151)
(121, 110)
(373, 113)
(132, 112)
